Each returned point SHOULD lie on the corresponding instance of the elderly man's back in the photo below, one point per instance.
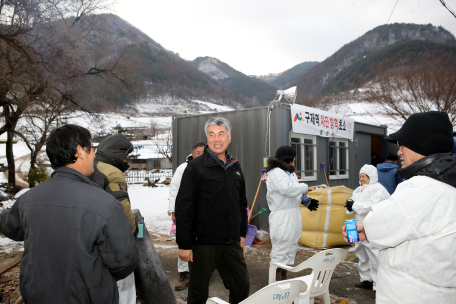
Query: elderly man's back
(78, 241)
(416, 231)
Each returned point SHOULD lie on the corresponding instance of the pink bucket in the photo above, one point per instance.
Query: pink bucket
(172, 231)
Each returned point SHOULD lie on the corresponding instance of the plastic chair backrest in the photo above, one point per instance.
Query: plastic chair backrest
(323, 265)
(284, 292)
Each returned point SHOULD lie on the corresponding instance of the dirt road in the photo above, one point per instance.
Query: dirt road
(342, 283)
(257, 257)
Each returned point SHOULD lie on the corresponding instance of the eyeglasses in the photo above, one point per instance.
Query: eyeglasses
(399, 145)
(87, 148)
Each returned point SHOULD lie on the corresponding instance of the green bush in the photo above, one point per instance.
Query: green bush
(37, 175)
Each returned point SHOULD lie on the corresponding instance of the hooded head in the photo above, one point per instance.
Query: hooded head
(371, 172)
(113, 150)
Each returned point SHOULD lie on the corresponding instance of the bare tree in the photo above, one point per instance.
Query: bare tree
(164, 144)
(36, 124)
(426, 84)
(46, 48)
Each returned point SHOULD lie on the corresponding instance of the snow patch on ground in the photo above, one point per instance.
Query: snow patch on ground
(9, 246)
(161, 245)
(153, 204)
(19, 149)
(215, 107)
(6, 204)
(366, 112)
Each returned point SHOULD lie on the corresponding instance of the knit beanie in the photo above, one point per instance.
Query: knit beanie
(426, 133)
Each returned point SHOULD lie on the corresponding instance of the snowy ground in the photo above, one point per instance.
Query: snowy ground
(153, 205)
(153, 202)
(366, 113)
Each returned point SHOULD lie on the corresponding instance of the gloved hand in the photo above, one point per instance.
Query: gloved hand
(313, 204)
(349, 205)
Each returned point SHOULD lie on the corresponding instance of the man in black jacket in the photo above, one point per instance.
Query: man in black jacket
(77, 238)
(211, 213)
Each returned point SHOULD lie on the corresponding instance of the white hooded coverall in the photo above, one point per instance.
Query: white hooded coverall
(365, 197)
(285, 221)
(416, 232)
(173, 191)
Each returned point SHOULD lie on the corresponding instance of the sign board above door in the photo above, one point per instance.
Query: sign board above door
(306, 120)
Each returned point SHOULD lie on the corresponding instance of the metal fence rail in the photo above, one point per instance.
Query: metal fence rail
(141, 176)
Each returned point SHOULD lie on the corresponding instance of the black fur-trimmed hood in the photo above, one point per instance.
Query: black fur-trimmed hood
(439, 166)
(275, 163)
(113, 150)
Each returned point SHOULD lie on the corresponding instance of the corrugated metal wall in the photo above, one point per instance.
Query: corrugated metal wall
(248, 138)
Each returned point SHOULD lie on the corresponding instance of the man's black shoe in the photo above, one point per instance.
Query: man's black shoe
(374, 294)
(365, 285)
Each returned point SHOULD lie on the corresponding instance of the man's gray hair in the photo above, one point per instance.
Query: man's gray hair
(219, 121)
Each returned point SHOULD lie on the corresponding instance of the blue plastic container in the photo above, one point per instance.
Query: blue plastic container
(352, 232)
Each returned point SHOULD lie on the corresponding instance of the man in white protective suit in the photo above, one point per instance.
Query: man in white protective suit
(415, 229)
(182, 266)
(369, 193)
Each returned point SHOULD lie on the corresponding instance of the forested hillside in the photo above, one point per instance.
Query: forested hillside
(154, 72)
(284, 79)
(405, 52)
(315, 79)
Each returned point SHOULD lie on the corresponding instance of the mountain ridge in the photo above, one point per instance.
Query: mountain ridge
(283, 79)
(259, 91)
(312, 81)
(157, 72)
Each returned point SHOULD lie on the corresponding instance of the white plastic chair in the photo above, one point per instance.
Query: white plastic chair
(283, 292)
(322, 265)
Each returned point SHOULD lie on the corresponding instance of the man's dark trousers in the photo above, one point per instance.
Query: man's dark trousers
(230, 264)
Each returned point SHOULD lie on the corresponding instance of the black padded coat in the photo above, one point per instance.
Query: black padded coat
(211, 206)
(77, 241)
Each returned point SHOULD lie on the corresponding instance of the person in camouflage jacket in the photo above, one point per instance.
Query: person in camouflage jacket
(109, 167)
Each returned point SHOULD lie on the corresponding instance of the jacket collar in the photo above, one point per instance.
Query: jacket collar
(189, 158)
(72, 174)
(211, 159)
(439, 166)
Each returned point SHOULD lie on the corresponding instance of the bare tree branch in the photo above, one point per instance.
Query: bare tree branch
(404, 88)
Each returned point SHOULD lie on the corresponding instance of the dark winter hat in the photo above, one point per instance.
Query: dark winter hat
(426, 133)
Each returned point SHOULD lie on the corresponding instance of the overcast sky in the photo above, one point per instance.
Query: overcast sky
(259, 37)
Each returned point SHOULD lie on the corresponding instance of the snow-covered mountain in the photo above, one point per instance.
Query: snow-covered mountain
(259, 91)
(209, 66)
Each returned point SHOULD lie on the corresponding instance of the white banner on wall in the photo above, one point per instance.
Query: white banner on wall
(306, 120)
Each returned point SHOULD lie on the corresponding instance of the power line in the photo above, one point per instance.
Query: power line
(393, 11)
(450, 24)
(448, 8)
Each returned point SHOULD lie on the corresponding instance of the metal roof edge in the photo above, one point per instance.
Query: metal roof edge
(181, 115)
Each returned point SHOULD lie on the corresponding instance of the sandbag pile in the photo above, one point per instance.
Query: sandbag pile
(322, 228)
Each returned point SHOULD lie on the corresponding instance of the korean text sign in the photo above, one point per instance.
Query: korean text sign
(312, 121)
